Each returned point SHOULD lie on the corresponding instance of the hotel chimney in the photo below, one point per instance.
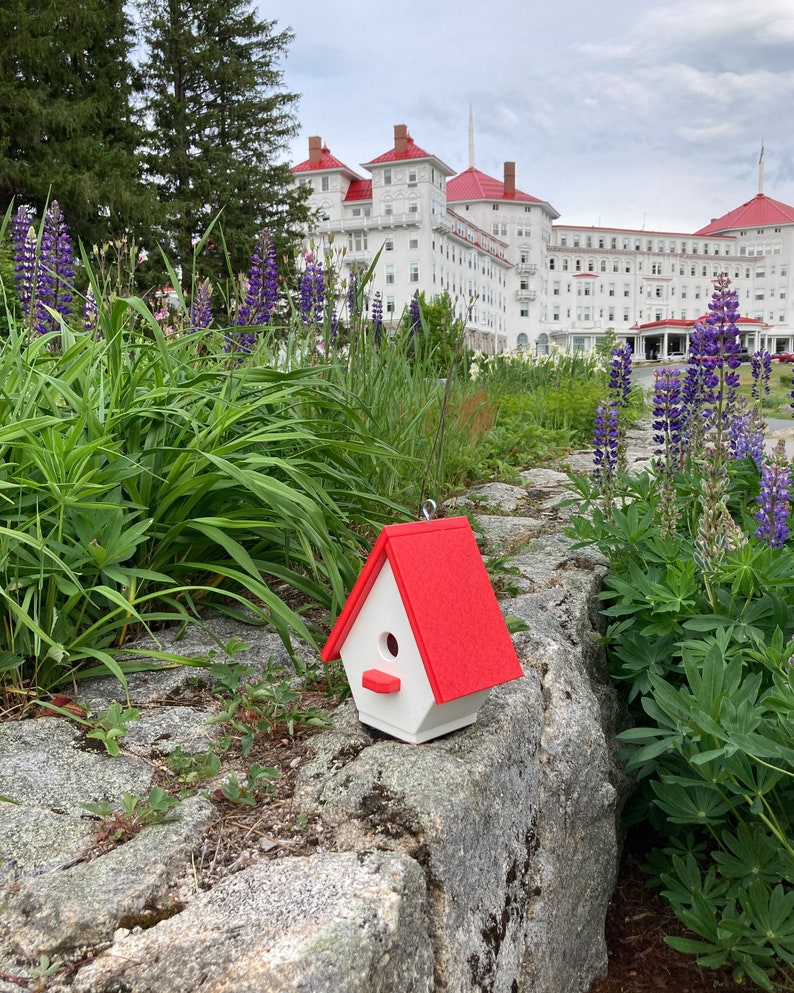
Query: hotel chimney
(315, 149)
(510, 179)
(400, 139)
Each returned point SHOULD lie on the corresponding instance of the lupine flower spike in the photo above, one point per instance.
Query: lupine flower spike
(775, 498)
(23, 238)
(54, 282)
(377, 317)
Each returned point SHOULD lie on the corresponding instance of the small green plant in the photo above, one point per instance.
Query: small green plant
(111, 725)
(40, 974)
(251, 707)
(133, 813)
(258, 780)
(192, 769)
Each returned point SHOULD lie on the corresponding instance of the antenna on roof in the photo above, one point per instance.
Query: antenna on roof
(761, 170)
(471, 137)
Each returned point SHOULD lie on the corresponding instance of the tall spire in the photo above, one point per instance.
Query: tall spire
(471, 137)
(761, 170)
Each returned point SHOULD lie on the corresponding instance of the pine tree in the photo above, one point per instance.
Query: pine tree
(219, 123)
(67, 117)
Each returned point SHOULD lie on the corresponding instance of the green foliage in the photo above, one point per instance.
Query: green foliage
(134, 813)
(253, 707)
(246, 793)
(702, 647)
(221, 122)
(67, 94)
(144, 478)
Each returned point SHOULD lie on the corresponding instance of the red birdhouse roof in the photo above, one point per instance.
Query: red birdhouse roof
(454, 615)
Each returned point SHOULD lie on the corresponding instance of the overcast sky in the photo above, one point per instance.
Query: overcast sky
(636, 113)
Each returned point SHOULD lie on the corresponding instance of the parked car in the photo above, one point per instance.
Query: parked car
(784, 356)
(676, 357)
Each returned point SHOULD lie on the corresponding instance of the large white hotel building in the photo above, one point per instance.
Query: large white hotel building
(521, 280)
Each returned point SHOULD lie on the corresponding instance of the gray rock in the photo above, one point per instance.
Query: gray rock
(333, 922)
(43, 764)
(491, 496)
(502, 535)
(175, 727)
(34, 841)
(84, 904)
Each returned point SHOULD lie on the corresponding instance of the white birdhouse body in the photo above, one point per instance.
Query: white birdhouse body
(381, 640)
(421, 635)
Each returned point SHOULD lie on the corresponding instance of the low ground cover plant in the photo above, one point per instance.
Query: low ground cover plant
(699, 612)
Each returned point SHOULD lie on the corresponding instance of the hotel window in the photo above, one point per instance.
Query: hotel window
(603, 265)
(552, 264)
(611, 289)
(387, 177)
(413, 272)
(555, 313)
(615, 265)
(659, 292)
(627, 267)
(626, 289)
(625, 313)
(413, 207)
(556, 288)
(357, 241)
(413, 240)
(389, 273)
(325, 184)
(565, 265)
(389, 305)
(412, 177)
(576, 241)
(613, 242)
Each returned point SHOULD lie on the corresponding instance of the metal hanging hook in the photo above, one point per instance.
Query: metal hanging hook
(429, 508)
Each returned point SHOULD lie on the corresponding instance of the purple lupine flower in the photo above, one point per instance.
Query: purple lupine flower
(414, 314)
(620, 376)
(312, 291)
(712, 379)
(200, 310)
(23, 238)
(90, 311)
(761, 367)
(353, 301)
(746, 432)
(606, 435)
(261, 286)
(55, 272)
(774, 499)
(377, 316)
(668, 417)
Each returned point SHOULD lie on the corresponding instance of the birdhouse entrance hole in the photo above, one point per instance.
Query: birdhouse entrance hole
(389, 646)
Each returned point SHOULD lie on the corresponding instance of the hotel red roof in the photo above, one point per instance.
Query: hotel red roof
(761, 211)
(475, 185)
(677, 323)
(359, 189)
(455, 617)
(327, 161)
(412, 151)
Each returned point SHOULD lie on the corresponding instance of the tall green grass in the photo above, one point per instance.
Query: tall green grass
(144, 478)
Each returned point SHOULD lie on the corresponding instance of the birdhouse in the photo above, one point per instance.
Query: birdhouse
(421, 635)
